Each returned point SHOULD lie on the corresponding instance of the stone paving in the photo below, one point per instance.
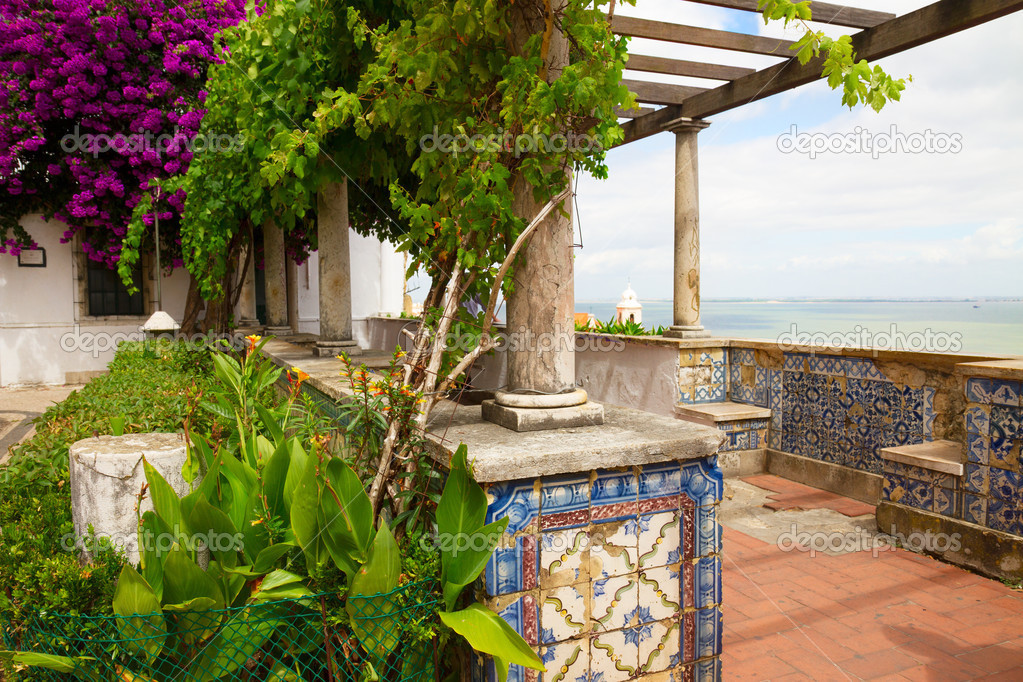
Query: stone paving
(877, 613)
(19, 406)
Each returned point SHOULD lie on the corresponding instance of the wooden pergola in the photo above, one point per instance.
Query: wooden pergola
(681, 109)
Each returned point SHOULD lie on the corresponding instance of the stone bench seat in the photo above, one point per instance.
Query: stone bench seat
(942, 456)
(744, 451)
(712, 414)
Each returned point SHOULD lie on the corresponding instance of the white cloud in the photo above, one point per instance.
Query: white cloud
(779, 224)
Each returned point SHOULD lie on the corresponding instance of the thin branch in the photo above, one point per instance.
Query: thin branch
(486, 342)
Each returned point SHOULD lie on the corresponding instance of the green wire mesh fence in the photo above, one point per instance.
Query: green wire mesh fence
(386, 637)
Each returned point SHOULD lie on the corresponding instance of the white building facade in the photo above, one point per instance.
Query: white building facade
(61, 318)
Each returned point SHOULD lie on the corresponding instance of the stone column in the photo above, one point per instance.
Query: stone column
(335, 272)
(246, 312)
(541, 306)
(542, 393)
(686, 322)
(276, 280)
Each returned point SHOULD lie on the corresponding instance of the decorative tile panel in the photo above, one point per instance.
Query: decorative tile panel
(565, 502)
(702, 375)
(660, 539)
(566, 661)
(614, 656)
(993, 480)
(514, 565)
(611, 574)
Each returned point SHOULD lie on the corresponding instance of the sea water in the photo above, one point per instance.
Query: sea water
(978, 326)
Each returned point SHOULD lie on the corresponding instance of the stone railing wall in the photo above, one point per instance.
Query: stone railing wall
(840, 407)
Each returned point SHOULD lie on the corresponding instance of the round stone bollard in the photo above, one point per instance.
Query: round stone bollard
(106, 477)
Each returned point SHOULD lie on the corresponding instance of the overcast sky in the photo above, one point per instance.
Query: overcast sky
(842, 225)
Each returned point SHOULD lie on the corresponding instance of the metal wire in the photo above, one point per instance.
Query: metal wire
(387, 635)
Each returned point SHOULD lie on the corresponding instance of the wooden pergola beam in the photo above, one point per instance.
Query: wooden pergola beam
(661, 93)
(681, 67)
(925, 25)
(634, 113)
(824, 12)
(696, 35)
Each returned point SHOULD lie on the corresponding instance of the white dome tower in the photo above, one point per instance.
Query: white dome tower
(629, 308)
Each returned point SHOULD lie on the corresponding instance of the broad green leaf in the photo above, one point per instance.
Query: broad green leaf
(242, 480)
(141, 622)
(269, 556)
(166, 502)
(235, 643)
(469, 556)
(460, 515)
(270, 424)
(296, 469)
(279, 578)
(197, 604)
(346, 515)
(275, 476)
(209, 524)
(369, 603)
(61, 664)
(304, 509)
(463, 504)
(488, 633)
(184, 581)
(155, 541)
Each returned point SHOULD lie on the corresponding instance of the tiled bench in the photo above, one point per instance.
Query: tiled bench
(745, 426)
(926, 476)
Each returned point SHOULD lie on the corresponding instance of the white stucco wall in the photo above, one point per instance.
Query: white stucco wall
(378, 286)
(42, 340)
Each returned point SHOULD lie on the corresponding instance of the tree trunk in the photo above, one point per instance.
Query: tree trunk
(194, 305)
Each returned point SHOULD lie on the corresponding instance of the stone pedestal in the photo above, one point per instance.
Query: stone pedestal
(610, 567)
(107, 475)
(686, 322)
(335, 272)
(276, 280)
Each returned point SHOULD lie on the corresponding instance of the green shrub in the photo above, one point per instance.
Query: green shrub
(153, 387)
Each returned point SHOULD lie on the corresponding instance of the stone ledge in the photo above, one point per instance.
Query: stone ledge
(993, 369)
(626, 438)
(324, 372)
(715, 413)
(989, 552)
(835, 478)
(939, 455)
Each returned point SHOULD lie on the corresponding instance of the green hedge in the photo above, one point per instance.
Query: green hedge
(149, 384)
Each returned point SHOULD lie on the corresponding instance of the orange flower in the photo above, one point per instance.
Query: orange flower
(300, 376)
(253, 339)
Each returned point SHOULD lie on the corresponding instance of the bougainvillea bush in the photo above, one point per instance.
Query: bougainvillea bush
(97, 98)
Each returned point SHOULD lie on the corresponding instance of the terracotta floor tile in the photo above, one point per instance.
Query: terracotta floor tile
(893, 616)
